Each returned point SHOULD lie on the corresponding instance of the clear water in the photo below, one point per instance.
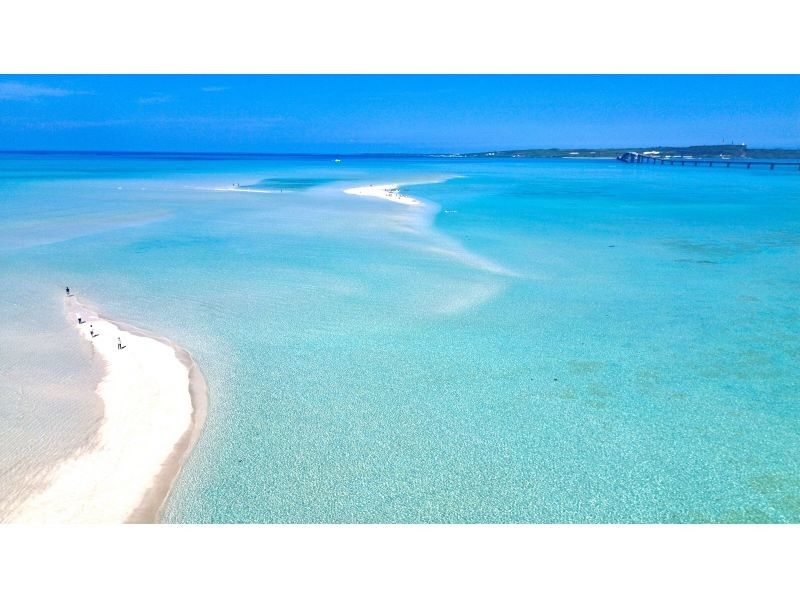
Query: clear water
(545, 341)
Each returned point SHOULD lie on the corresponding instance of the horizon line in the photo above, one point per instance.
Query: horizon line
(367, 154)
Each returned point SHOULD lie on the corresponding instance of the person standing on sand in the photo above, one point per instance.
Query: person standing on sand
(119, 343)
(91, 331)
(67, 290)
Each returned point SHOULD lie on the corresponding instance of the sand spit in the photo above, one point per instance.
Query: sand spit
(389, 192)
(154, 401)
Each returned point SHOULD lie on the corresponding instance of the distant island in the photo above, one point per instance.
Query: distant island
(693, 151)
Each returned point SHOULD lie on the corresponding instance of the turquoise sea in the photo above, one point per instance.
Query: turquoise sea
(544, 341)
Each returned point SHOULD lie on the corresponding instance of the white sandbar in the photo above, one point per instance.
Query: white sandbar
(389, 192)
(154, 402)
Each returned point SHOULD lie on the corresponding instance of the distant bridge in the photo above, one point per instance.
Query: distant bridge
(640, 158)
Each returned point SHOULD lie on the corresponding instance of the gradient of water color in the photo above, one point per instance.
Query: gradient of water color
(545, 341)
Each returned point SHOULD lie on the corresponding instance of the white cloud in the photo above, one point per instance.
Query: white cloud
(14, 90)
(213, 88)
(156, 98)
(233, 123)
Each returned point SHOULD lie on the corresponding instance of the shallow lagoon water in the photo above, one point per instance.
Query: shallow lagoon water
(544, 341)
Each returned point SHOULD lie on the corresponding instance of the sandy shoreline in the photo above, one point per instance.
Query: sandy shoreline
(154, 404)
(388, 191)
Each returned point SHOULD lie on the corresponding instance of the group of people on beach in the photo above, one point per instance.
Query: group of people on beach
(92, 333)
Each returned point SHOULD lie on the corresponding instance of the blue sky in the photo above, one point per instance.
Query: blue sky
(393, 113)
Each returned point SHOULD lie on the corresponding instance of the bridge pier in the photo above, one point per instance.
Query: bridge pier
(637, 158)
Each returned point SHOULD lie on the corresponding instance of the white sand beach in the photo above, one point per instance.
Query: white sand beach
(389, 192)
(154, 402)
